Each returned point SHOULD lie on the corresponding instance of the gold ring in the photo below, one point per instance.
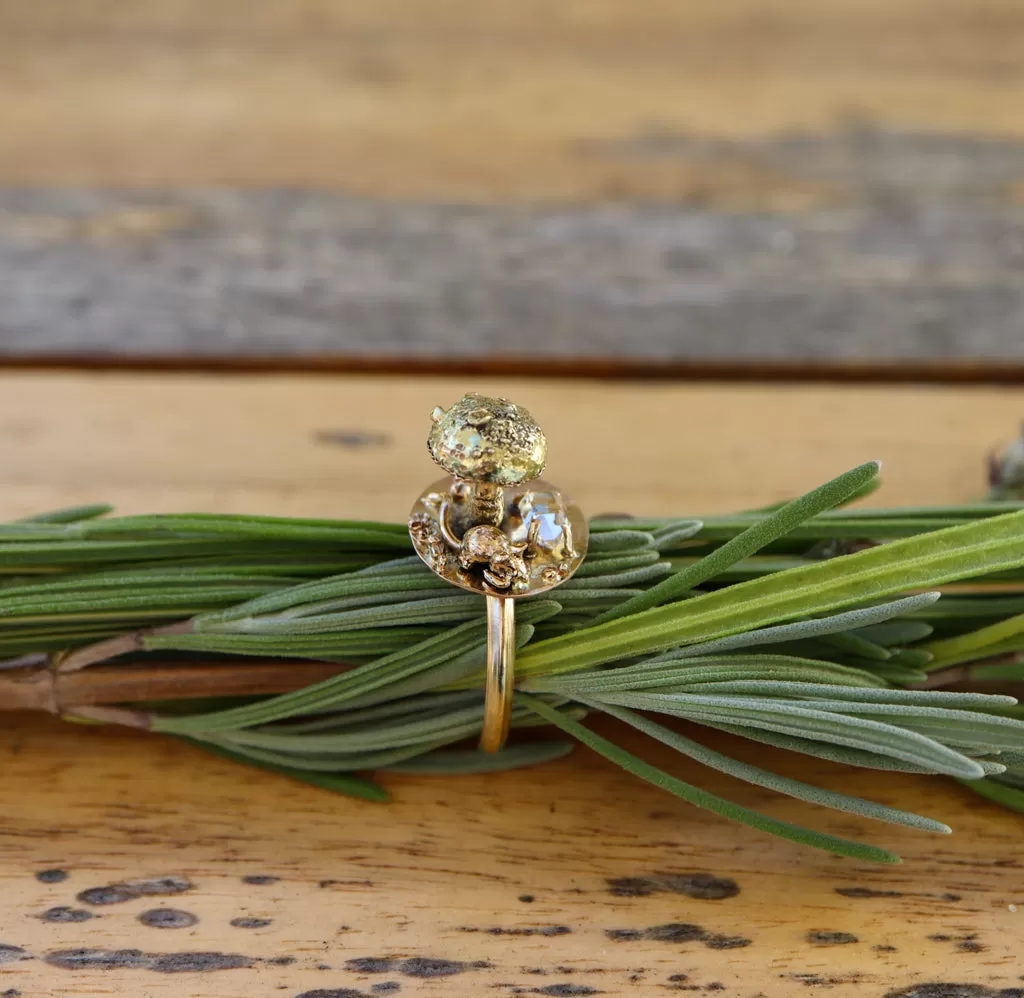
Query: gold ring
(494, 527)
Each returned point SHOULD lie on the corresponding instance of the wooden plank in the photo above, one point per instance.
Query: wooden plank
(437, 882)
(663, 181)
(354, 446)
(903, 264)
(459, 100)
(439, 874)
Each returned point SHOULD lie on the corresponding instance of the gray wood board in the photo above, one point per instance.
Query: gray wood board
(917, 252)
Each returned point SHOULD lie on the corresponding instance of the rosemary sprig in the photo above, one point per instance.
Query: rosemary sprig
(800, 626)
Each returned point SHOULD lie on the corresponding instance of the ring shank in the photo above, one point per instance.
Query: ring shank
(501, 655)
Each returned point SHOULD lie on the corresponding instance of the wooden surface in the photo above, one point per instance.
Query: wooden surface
(663, 180)
(461, 101)
(570, 879)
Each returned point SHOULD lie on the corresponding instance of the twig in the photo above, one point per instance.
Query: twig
(101, 651)
(56, 692)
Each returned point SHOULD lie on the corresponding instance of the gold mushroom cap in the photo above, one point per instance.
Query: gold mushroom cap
(490, 440)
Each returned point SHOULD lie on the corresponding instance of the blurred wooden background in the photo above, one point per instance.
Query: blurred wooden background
(648, 179)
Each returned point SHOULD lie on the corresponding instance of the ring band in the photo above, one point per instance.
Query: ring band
(495, 528)
(501, 666)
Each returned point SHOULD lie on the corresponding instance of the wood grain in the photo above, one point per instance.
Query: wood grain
(716, 179)
(916, 253)
(354, 446)
(457, 100)
(569, 879)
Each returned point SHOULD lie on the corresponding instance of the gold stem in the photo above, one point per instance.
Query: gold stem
(488, 504)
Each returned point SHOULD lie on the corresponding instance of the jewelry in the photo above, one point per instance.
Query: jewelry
(495, 527)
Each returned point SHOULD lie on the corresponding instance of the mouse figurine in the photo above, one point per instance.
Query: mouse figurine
(493, 526)
(486, 445)
(487, 523)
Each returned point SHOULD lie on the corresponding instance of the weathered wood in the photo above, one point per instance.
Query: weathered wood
(914, 264)
(710, 179)
(440, 876)
(555, 880)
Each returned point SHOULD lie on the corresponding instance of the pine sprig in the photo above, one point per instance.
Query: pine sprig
(800, 625)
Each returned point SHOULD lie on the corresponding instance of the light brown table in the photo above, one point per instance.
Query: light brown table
(506, 883)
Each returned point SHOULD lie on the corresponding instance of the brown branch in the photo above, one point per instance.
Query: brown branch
(101, 651)
(43, 688)
(29, 688)
(111, 715)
